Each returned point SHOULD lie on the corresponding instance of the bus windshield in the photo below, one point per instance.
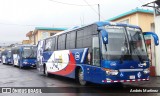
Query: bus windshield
(9, 54)
(29, 52)
(137, 44)
(124, 45)
(116, 41)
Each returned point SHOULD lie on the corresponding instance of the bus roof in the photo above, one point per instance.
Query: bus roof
(99, 24)
(24, 45)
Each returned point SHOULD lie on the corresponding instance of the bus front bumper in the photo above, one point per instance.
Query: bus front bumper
(115, 81)
(28, 64)
(131, 76)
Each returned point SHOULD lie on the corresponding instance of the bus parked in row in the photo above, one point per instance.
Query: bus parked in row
(102, 52)
(24, 55)
(7, 57)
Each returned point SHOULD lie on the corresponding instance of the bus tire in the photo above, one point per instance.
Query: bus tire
(21, 67)
(80, 77)
(45, 71)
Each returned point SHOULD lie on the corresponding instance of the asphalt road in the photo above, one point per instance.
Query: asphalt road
(29, 77)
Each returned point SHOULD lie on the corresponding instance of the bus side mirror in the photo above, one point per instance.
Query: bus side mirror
(104, 36)
(156, 39)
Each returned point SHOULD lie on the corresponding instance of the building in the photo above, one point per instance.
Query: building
(41, 33)
(155, 4)
(2, 48)
(140, 17)
(26, 42)
(31, 37)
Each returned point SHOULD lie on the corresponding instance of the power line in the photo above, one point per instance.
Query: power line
(98, 13)
(71, 3)
(141, 1)
(27, 25)
(15, 24)
(90, 6)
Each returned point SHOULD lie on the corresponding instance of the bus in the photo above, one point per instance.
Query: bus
(102, 52)
(6, 57)
(24, 56)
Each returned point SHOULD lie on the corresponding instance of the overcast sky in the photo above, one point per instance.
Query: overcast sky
(17, 17)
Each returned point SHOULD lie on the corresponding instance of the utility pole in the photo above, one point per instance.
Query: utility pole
(99, 12)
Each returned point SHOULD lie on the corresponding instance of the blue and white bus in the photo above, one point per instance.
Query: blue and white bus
(102, 52)
(7, 57)
(24, 55)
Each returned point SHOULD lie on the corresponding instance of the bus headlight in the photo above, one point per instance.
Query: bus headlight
(146, 71)
(110, 71)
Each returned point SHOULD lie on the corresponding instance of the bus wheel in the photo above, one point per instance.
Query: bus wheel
(20, 66)
(80, 77)
(46, 73)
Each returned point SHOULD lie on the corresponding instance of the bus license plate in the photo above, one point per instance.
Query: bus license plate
(132, 77)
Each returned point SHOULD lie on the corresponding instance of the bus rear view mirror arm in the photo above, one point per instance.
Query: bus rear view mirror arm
(104, 36)
(156, 39)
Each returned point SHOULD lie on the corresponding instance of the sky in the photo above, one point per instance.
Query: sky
(18, 17)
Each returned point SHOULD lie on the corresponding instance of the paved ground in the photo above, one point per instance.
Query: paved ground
(14, 77)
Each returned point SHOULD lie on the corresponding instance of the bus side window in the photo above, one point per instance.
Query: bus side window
(53, 44)
(79, 41)
(58, 42)
(68, 41)
(48, 44)
(72, 39)
(61, 42)
(95, 51)
(84, 38)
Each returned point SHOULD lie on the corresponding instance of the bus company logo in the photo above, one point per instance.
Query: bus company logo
(139, 74)
(105, 39)
(142, 64)
(131, 67)
(113, 64)
(77, 56)
(121, 75)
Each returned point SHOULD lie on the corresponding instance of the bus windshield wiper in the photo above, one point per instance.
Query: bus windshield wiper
(31, 54)
(121, 59)
(139, 56)
(124, 51)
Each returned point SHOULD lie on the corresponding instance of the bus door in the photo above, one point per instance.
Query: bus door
(95, 69)
(15, 59)
(40, 56)
(3, 59)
